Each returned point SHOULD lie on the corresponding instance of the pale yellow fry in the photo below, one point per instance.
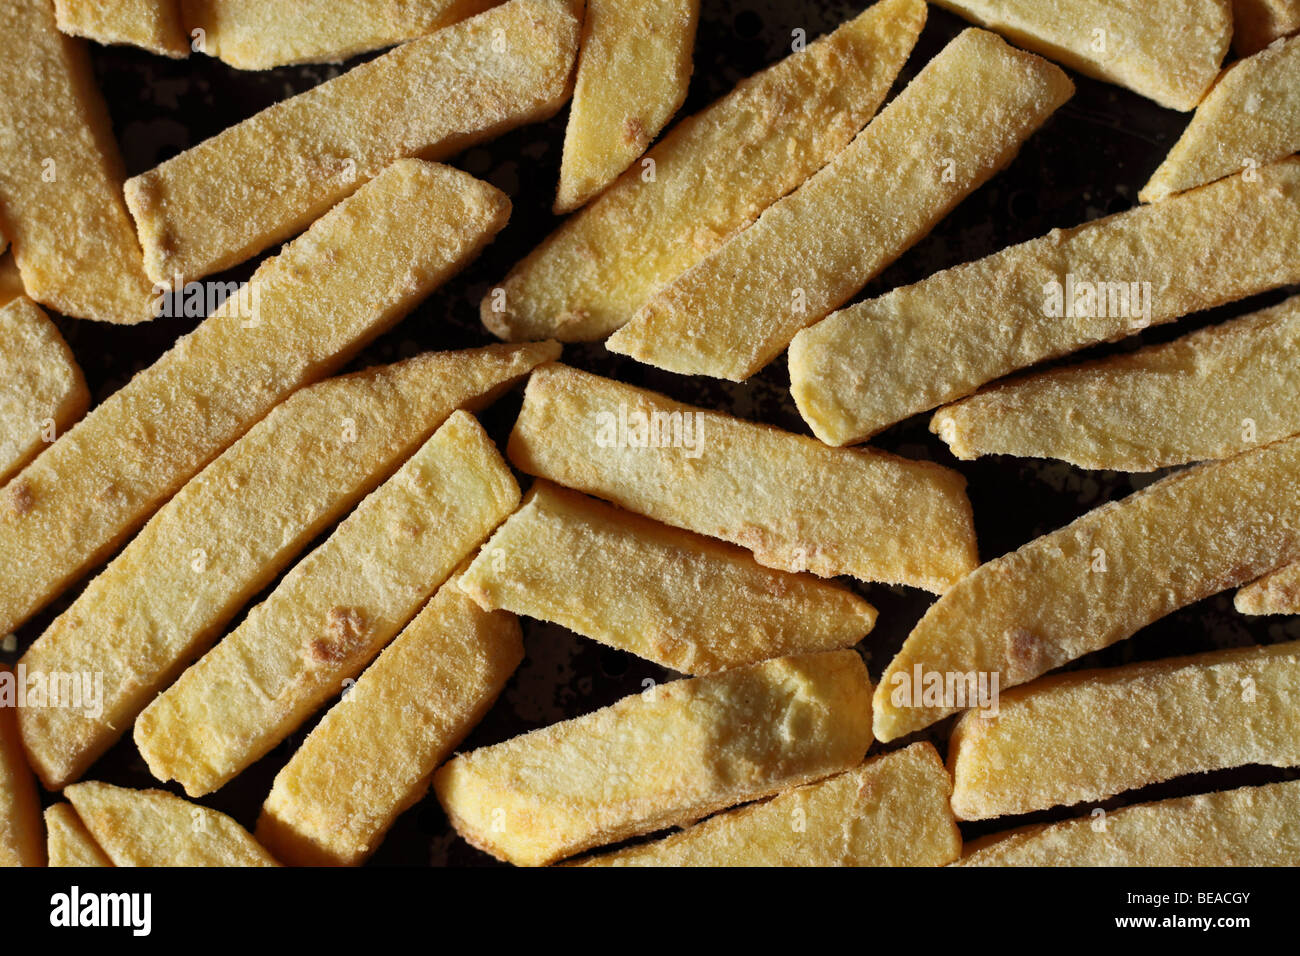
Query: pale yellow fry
(1251, 826)
(938, 340)
(316, 303)
(166, 597)
(331, 614)
(1100, 579)
(70, 843)
(1275, 593)
(713, 173)
(372, 756)
(1211, 394)
(632, 76)
(1257, 23)
(1250, 118)
(22, 838)
(155, 828)
(1089, 735)
(153, 25)
(61, 175)
(262, 180)
(260, 34)
(679, 599)
(891, 811)
(11, 283)
(42, 390)
(661, 758)
(794, 503)
(1168, 51)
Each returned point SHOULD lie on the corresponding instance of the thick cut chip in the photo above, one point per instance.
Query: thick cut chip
(372, 756)
(11, 283)
(1250, 118)
(1088, 735)
(661, 758)
(22, 842)
(331, 614)
(633, 72)
(153, 25)
(710, 175)
(61, 175)
(266, 178)
(679, 599)
(156, 828)
(1211, 394)
(1251, 826)
(70, 843)
(961, 120)
(923, 345)
(891, 811)
(166, 597)
(793, 502)
(1096, 581)
(1257, 23)
(304, 313)
(1168, 51)
(42, 390)
(1275, 593)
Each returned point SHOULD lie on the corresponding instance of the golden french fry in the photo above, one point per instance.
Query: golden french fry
(710, 175)
(372, 756)
(44, 391)
(22, 840)
(11, 283)
(633, 72)
(164, 600)
(679, 599)
(153, 25)
(1277, 592)
(61, 175)
(1097, 581)
(1250, 826)
(264, 179)
(815, 249)
(156, 828)
(891, 811)
(331, 614)
(667, 756)
(794, 503)
(1169, 52)
(1257, 23)
(940, 339)
(1088, 735)
(304, 313)
(1210, 394)
(70, 843)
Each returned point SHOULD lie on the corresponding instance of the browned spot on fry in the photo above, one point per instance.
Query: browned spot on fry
(1026, 655)
(634, 132)
(20, 497)
(345, 631)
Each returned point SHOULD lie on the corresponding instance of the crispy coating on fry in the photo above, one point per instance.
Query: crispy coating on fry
(11, 283)
(1100, 579)
(668, 212)
(313, 306)
(22, 840)
(794, 503)
(153, 25)
(1257, 23)
(891, 811)
(961, 120)
(679, 599)
(662, 758)
(940, 339)
(69, 842)
(262, 180)
(1277, 592)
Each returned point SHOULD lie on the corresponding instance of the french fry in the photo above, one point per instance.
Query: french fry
(372, 756)
(331, 614)
(1097, 581)
(70, 843)
(662, 758)
(264, 179)
(61, 175)
(938, 340)
(156, 828)
(44, 390)
(153, 25)
(633, 72)
(304, 313)
(1250, 826)
(11, 283)
(668, 212)
(1210, 394)
(164, 600)
(1168, 52)
(794, 503)
(261, 34)
(1257, 23)
(22, 840)
(813, 250)
(1249, 119)
(1277, 592)
(679, 599)
(891, 811)
(1088, 735)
